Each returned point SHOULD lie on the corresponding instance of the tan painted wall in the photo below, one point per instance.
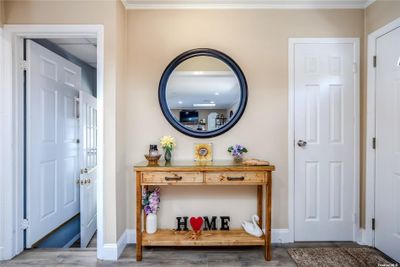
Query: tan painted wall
(1, 13)
(380, 13)
(258, 42)
(121, 190)
(107, 13)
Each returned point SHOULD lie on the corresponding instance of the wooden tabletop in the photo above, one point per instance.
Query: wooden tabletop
(226, 165)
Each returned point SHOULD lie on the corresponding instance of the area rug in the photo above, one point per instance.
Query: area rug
(338, 257)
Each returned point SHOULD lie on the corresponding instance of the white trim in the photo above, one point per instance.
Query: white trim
(72, 241)
(368, 3)
(280, 236)
(291, 152)
(112, 251)
(362, 238)
(245, 4)
(131, 236)
(370, 152)
(11, 178)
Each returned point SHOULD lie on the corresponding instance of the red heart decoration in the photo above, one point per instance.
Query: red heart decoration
(196, 223)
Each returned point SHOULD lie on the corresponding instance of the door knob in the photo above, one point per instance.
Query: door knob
(301, 143)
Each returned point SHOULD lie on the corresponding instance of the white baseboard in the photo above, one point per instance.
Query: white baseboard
(131, 236)
(278, 236)
(112, 251)
(363, 238)
(5, 254)
(72, 241)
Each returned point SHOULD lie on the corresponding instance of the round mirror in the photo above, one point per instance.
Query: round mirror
(203, 93)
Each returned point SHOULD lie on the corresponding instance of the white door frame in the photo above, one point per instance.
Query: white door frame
(369, 234)
(291, 141)
(11, 125)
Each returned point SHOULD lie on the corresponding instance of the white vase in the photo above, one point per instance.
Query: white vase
(151, 223)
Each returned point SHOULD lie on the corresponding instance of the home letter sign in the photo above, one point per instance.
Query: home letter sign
(182, 223)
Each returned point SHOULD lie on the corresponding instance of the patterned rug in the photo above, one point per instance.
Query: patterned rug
(338, 257)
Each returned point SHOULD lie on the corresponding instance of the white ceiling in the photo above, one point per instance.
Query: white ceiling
(246, 4)
(83, 48)
(186, 88)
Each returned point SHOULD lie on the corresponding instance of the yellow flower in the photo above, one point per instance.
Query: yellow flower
(167, 142)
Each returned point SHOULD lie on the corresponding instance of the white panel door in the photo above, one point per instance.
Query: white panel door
(211, 121)
(88, 161)
(324, 141)
(52, 160)
(387, 205)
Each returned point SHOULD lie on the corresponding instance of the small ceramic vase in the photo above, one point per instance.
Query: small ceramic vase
(167, 155)
(238, 159)
(151, 223)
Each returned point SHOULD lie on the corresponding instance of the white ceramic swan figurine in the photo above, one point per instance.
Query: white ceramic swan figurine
(253, 228)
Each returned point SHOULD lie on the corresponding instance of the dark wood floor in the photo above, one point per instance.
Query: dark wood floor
(157, 257)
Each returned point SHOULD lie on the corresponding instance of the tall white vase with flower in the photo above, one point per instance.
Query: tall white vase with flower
(151, 204)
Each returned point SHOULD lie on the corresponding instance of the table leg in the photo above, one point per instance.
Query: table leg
(144, 214)
(268, 253)
(138, 217)
(260, 205)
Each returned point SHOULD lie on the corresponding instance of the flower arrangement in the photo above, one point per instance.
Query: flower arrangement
(237, 151)
(151, 200)
(168, 144)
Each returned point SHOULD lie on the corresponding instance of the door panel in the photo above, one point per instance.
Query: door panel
(387, 205)
(51, 142)
(88, 160)
(324, 142)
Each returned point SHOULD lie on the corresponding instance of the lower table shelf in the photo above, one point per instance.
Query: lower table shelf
(235, 237)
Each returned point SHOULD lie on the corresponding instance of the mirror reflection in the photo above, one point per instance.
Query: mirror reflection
(203, 93)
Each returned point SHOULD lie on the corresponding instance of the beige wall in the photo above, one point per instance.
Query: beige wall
(121, 190)
(1, 13)
(380, 13)
(109, 14)
(258, 42)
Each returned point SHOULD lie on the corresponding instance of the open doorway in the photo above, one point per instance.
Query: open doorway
(60, 142)
(13, 176)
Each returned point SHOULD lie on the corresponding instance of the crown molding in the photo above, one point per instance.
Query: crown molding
(247, 4)
(367, 4)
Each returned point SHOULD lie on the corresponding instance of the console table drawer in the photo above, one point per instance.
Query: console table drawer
(172, 177)
(235, 177)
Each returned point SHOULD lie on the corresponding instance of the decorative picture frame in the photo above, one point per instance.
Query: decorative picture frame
(203, 152)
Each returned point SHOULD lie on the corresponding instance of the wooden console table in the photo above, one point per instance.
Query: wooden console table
(206, 174)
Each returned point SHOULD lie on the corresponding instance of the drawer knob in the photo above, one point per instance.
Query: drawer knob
(175, 178)
(240, 178)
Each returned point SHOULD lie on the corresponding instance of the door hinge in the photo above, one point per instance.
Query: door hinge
(374, 143)
(77, 112)
(354, 67)
(24, 65)
(374, 61)
(77, 141)
(25, 224)
(373, 224)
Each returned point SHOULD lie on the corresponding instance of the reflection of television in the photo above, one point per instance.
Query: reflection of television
(191, 116)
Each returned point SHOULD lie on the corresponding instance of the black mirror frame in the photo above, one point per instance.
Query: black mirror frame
(195, 53)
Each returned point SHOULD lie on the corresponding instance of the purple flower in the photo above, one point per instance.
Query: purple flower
(237, 150)
(151, 200)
